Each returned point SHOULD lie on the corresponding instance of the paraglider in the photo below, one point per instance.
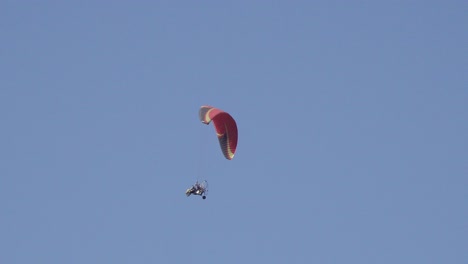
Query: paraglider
(198, 189)
(226, 131)
(225, 126)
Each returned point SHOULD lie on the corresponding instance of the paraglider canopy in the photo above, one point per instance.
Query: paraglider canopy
(225, 127)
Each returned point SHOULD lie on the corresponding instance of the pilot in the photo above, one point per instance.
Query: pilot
(197, 189)
(190, 191)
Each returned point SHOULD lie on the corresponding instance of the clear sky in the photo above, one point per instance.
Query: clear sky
(352, 117)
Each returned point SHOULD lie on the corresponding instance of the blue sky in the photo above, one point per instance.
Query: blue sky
(352, 125)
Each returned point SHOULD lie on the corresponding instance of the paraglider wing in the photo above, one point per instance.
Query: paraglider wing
(225, 126)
